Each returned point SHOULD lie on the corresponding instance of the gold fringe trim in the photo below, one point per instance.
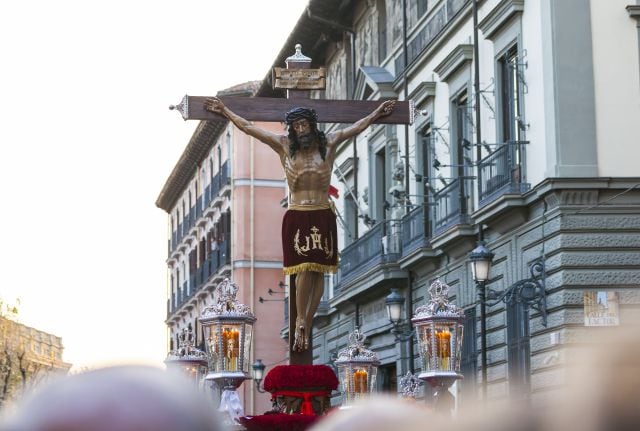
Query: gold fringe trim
(310, 266)
(297, 207)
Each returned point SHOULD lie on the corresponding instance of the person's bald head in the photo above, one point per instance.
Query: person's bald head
(118, 398)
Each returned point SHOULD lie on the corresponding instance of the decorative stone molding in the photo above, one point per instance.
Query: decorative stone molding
(456, 59)
(499, 16)
(634, 12)
(423, 92)
(345, 168)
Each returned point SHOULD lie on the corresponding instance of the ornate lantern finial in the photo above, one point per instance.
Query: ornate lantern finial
(298, 57)
(187, 358)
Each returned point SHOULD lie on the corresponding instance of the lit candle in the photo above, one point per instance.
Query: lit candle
(443, 344)
(360, 381)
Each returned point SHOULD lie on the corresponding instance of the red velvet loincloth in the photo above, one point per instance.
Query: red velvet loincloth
(309, 241)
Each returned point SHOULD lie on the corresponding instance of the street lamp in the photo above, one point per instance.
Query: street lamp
(481, 258)
(531, 292)
(258, 374)
(394, 303)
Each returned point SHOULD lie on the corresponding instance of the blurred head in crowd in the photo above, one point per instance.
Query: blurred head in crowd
(119, 398)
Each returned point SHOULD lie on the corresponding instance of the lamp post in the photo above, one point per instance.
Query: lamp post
(481, 258)
(228, 327)
(258, 374)
(531, 292)
(439, 326)
(394, 303)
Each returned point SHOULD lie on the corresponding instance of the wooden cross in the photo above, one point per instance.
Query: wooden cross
(298, 79)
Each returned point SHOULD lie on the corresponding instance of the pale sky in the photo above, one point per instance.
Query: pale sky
(87, 142)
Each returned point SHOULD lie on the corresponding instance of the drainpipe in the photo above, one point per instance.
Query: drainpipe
(409, 314)
(252, 249)
(405, 56)
(476, 90)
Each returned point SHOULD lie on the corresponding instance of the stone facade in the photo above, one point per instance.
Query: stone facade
(542, 179)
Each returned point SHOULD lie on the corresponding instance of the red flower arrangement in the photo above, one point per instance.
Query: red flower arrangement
(304, 377)
(278, 422)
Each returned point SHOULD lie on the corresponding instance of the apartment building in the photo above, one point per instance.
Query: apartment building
(223, 204)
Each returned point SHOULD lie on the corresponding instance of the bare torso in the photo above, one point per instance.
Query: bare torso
(308, 176)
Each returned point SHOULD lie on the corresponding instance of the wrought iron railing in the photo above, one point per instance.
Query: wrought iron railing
(502, 171)
(416, 229)
(430, 31)
(450, 205)
(381, 244)
(225, 174)
(207, 196)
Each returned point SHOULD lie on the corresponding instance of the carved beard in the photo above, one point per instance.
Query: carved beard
(307, 140)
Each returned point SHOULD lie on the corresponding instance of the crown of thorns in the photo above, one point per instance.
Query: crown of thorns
(301, 113)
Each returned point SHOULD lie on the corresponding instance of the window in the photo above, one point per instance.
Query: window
(350, 219)
(469, 354)
(422, 7)
(388, 379)
(518, 350)
(511, 95)
(379, 205)
(382, 30)
(427, 151)
(462, 162)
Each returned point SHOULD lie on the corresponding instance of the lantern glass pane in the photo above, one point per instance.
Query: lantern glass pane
(394, 312)
(480, 270)
(443, 338)
(425, 345)
(458, 345)
(246, 348)
(214, 346)
(230, 338)
(357, 381)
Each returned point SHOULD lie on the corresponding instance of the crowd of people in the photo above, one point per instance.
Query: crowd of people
(601, 392)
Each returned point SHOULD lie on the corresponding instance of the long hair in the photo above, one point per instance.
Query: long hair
(310, 115)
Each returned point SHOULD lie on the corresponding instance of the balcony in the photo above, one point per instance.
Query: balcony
(380, 246)
(416, 230)
(450, 206)
(502, 172)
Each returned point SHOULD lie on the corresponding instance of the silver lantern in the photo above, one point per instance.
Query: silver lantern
(439, 327)
(357, 369)
(228, 327)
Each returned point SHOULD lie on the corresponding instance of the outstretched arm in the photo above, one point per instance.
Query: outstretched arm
(273, 140)
(384, 109)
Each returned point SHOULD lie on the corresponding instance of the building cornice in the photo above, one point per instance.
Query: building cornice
(634, 12)
(499, 16)
(205, 135)
(460, 55)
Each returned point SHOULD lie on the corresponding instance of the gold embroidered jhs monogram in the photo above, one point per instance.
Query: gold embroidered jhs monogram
(313, 241)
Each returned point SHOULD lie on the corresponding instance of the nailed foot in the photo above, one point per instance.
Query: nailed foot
(300, 340)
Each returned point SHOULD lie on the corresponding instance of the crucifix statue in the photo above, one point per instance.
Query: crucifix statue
(309, 233)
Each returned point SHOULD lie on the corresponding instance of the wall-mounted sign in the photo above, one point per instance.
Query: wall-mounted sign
(601, 309)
